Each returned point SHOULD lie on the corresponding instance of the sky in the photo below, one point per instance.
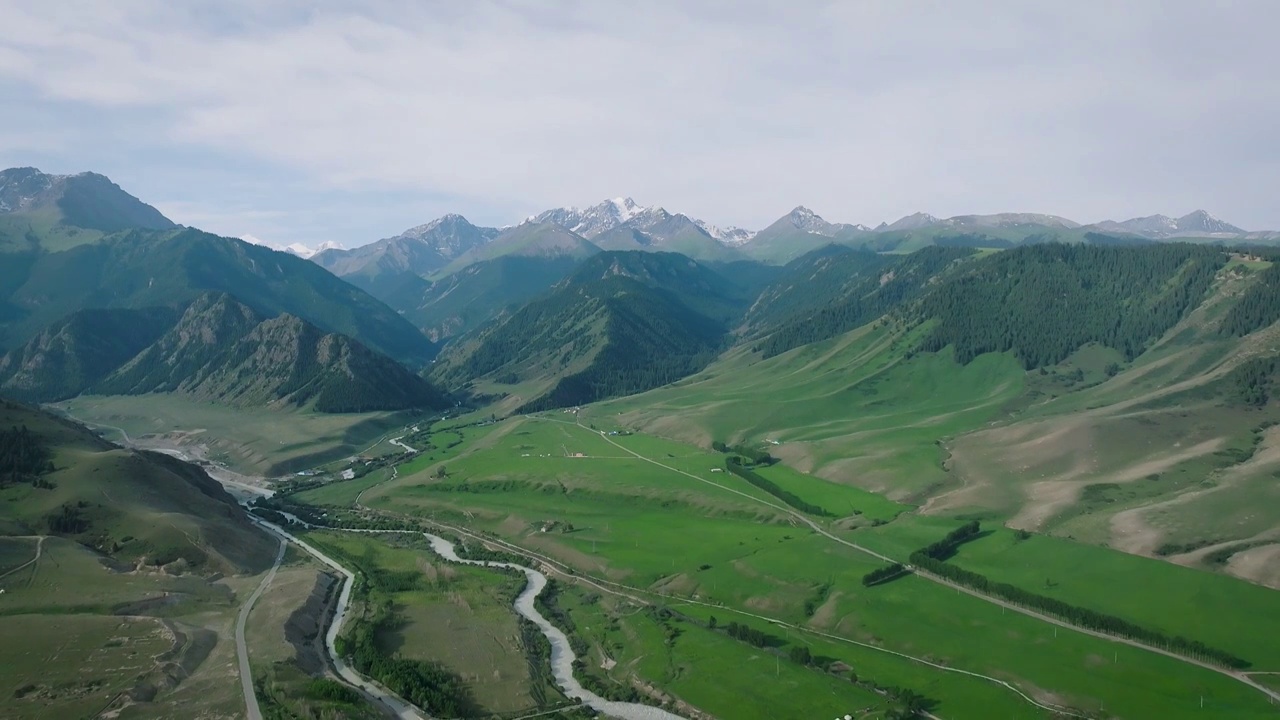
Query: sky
(327, 121)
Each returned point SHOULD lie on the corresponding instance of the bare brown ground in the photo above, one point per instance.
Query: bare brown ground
(1260, 565)
(825, 616)
(1049, 497)
(1132, 533)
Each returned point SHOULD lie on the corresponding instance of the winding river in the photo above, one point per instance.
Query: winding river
(562, 655)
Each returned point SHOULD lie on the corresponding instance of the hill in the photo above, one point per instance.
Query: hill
(39, 211)
(134, 506)
(623, 322)
(219, 350)
(147, 268)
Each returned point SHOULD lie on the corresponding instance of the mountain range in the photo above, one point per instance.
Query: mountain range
(450, 243)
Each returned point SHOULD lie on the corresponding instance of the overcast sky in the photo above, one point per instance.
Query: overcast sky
(350, 121)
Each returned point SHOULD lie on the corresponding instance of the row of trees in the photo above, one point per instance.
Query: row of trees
(931, 559)
(735, 466)
(755, 455)
(946, 547)
(883, 573)
(749, 635)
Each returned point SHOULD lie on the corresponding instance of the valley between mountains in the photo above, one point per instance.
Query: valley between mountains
(984, 466)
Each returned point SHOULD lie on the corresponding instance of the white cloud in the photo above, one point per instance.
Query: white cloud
(730, 111)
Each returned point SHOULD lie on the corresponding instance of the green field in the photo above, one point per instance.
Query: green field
(615, 516)
(1218, 610)
(255, 441)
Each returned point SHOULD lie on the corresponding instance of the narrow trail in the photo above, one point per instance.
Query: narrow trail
(1233, 674)
(252, 711)
(39, 548)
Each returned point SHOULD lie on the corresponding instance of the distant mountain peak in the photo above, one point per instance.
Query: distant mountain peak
(913, 221)
(809, 221)
(85, 200)
(1197, 222)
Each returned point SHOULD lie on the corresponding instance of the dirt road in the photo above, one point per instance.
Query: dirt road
(252, 712)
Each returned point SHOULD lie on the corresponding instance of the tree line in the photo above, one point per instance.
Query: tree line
(755, 455)
(883, 573)
(930, 559)
(734, 465)
(946, 547)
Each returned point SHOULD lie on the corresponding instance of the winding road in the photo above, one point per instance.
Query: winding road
(39, 548)
(252, 711)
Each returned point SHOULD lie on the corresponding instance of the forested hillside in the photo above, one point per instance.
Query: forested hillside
(1042, 302)
(831, 292)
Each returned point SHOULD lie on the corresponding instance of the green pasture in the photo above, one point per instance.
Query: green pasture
(1218, 610)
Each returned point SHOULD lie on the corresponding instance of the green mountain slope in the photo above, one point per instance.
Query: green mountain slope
(476, 294)
(692, 283)
(136, 507)
(218, 349)
(831, 291)
(142, 268)
(603, 332)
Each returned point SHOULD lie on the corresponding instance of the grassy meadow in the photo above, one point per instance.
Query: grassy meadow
(705, 543)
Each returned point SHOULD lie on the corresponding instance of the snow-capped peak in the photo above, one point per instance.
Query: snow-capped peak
(729, 235)
(299, 249)
(626, 208)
